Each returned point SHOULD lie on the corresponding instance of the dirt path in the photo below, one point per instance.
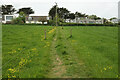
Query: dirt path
(58, 69)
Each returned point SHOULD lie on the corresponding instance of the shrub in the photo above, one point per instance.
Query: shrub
(17, 21)
(78, 24)
(53, 22)
(20, 19)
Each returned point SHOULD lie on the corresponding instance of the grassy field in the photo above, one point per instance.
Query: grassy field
(0, 52)
(91, 52)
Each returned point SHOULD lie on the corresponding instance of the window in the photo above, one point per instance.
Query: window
(9, 18)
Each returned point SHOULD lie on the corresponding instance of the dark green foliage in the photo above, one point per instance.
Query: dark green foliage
(7, 10)
(20, 19)
(62, 12)
(78, 24)
(53, 22)
(71, 16)
(94, 17)
(17, 21)
(26, 11)
(80, 14)
(57, 46)
(64, 52)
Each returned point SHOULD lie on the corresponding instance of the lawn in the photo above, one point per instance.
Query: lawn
(91, 52)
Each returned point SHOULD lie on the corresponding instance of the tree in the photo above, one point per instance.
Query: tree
(80, 14)
(22, 16)
(20, 19)
(53, 22)
(62, 12)
(27, 11)
(113, 18)
(52, 12)
(71, 16)
(7, 10)
(105, 20)
(94, 17)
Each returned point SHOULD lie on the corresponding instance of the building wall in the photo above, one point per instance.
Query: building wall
(35, 22)
(5, 20)
(114, 21)
(85, 21)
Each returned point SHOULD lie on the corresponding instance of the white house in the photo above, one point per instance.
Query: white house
(114, 21)
(85, 20)
(37, 19)
(7, 18)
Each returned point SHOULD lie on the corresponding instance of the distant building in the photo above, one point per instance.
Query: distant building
(85, 20)
(7, 18)
(114, 21)
(37, 19)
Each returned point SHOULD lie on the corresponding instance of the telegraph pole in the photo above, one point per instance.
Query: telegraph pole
(56, 13)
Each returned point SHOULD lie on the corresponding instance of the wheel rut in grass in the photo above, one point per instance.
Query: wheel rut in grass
(75, 66)
(66, 63)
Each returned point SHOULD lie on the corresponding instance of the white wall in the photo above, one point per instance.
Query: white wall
(5, 16)
(83, 21)
(35, 22)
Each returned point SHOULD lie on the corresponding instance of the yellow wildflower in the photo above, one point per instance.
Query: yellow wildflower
(9, 52)
(8, 76)
(14, 76)
(110, 67)
(73, 41)
(12, 70)
(34, 49)
(51, 31)
(14, 51)
(45, 46)
(105, 69)
(22, 62)
(117, 76)
(19, 48)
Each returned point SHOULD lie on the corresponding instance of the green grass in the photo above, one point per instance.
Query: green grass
(0, 51)
(91, 52)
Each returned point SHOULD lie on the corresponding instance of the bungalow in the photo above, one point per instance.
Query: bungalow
(83, 20)
(115, 21)
(37, 19)
(7, 18)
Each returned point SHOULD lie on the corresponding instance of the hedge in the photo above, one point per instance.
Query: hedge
(78, 24)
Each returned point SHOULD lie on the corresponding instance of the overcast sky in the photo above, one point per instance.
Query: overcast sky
(101, 8)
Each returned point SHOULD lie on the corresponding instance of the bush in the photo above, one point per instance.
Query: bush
(78, 24)
(53, 22)
(20, 19)
(17, 21)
